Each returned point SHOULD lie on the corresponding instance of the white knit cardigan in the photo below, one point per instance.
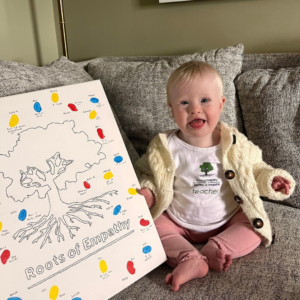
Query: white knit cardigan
(253, 177)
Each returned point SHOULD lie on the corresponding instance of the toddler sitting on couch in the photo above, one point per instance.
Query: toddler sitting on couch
(203, 181)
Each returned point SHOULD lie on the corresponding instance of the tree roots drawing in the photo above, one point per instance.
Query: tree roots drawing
(46, 224)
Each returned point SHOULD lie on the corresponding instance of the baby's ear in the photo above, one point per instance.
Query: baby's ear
(222, 102)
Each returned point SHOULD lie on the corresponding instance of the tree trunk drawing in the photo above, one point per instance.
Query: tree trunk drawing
(59, 211)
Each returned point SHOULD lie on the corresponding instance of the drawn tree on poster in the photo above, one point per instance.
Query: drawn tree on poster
(36, 144)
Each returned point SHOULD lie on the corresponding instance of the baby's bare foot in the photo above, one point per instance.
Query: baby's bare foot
(217, 258)
(185, 271)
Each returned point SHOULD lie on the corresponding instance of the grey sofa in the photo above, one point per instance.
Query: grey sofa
(263, 102)
(267, 273)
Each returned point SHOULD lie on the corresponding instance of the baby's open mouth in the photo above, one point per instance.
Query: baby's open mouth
(197, 122)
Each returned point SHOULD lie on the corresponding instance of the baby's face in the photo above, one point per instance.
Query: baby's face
(197, 106)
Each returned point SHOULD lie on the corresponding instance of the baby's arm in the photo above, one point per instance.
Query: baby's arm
(146, 180)
(276, 184)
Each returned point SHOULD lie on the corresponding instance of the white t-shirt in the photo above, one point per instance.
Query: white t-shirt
(203, 199)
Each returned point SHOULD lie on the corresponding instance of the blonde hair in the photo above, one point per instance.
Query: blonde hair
(187, 72)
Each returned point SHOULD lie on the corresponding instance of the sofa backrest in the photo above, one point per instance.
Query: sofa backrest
(273, 61)
(251, 61)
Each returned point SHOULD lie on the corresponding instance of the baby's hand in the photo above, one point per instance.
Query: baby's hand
(148, 196)
(280, 183)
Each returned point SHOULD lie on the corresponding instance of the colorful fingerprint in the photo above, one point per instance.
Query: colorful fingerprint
(5, 256)
(94, 100)
(87, 185)
(53, 293)
(93, 115)
(147, 249)
(54, 97)
(100, 133)
(72, 107)
(37, 107)
(132, 191)
(108, 175)
(22, 215)
(14, 121)
(130, 267)
(144, 222)
(103, 266)
(118, 159)
(117, 210)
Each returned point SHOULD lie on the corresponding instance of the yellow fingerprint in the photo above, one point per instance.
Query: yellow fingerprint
(132, 191)
(14, 120)
(53, 292)
(55, 97)
(93, 114)
(103, 266)
(0, 226)
(108, 175)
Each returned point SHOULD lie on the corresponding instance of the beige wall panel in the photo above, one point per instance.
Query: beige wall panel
(145, 27)
(27, 31)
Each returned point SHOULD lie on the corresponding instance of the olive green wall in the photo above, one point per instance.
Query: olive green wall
(145, 27)
(29, 29)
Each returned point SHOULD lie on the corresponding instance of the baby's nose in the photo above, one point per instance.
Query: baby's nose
(196, 109)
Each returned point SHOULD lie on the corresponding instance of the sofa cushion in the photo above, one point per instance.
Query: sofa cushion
(270, 101)
(266, 273)
(18, 78)
(137, 90)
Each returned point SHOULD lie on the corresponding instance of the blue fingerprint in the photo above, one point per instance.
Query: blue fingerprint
(76, 298)
(22, 215)
(118, 159)
(37, 107)
(147, 249)
(117, 209)
(94, 100)
(14, 298)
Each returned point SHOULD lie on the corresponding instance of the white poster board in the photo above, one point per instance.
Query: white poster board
(71, 223)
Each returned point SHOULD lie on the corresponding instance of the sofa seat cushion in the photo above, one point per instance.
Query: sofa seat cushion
(266, 273)
(270, 102)
(137, 90)
(18, 78)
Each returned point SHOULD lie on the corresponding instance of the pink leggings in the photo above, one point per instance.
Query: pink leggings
(237, 238)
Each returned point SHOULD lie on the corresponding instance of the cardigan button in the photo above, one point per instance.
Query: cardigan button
(229, 174)
(258, 223)
(238, 199)
(234, 139)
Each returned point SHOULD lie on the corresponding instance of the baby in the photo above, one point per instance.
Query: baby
(203, 181)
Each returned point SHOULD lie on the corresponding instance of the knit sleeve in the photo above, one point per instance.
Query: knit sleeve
(144, 174)
(264, 175)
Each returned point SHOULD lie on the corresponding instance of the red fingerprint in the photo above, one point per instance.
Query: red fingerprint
(87, 185)
(100, 133)
(5, 256)
(72, 107)
(130, 267)
(144, 222)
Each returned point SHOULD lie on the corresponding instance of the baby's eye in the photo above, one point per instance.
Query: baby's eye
(184, 102)
(204, 100)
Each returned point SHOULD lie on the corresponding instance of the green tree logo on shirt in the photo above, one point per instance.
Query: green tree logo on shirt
(206, 167)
